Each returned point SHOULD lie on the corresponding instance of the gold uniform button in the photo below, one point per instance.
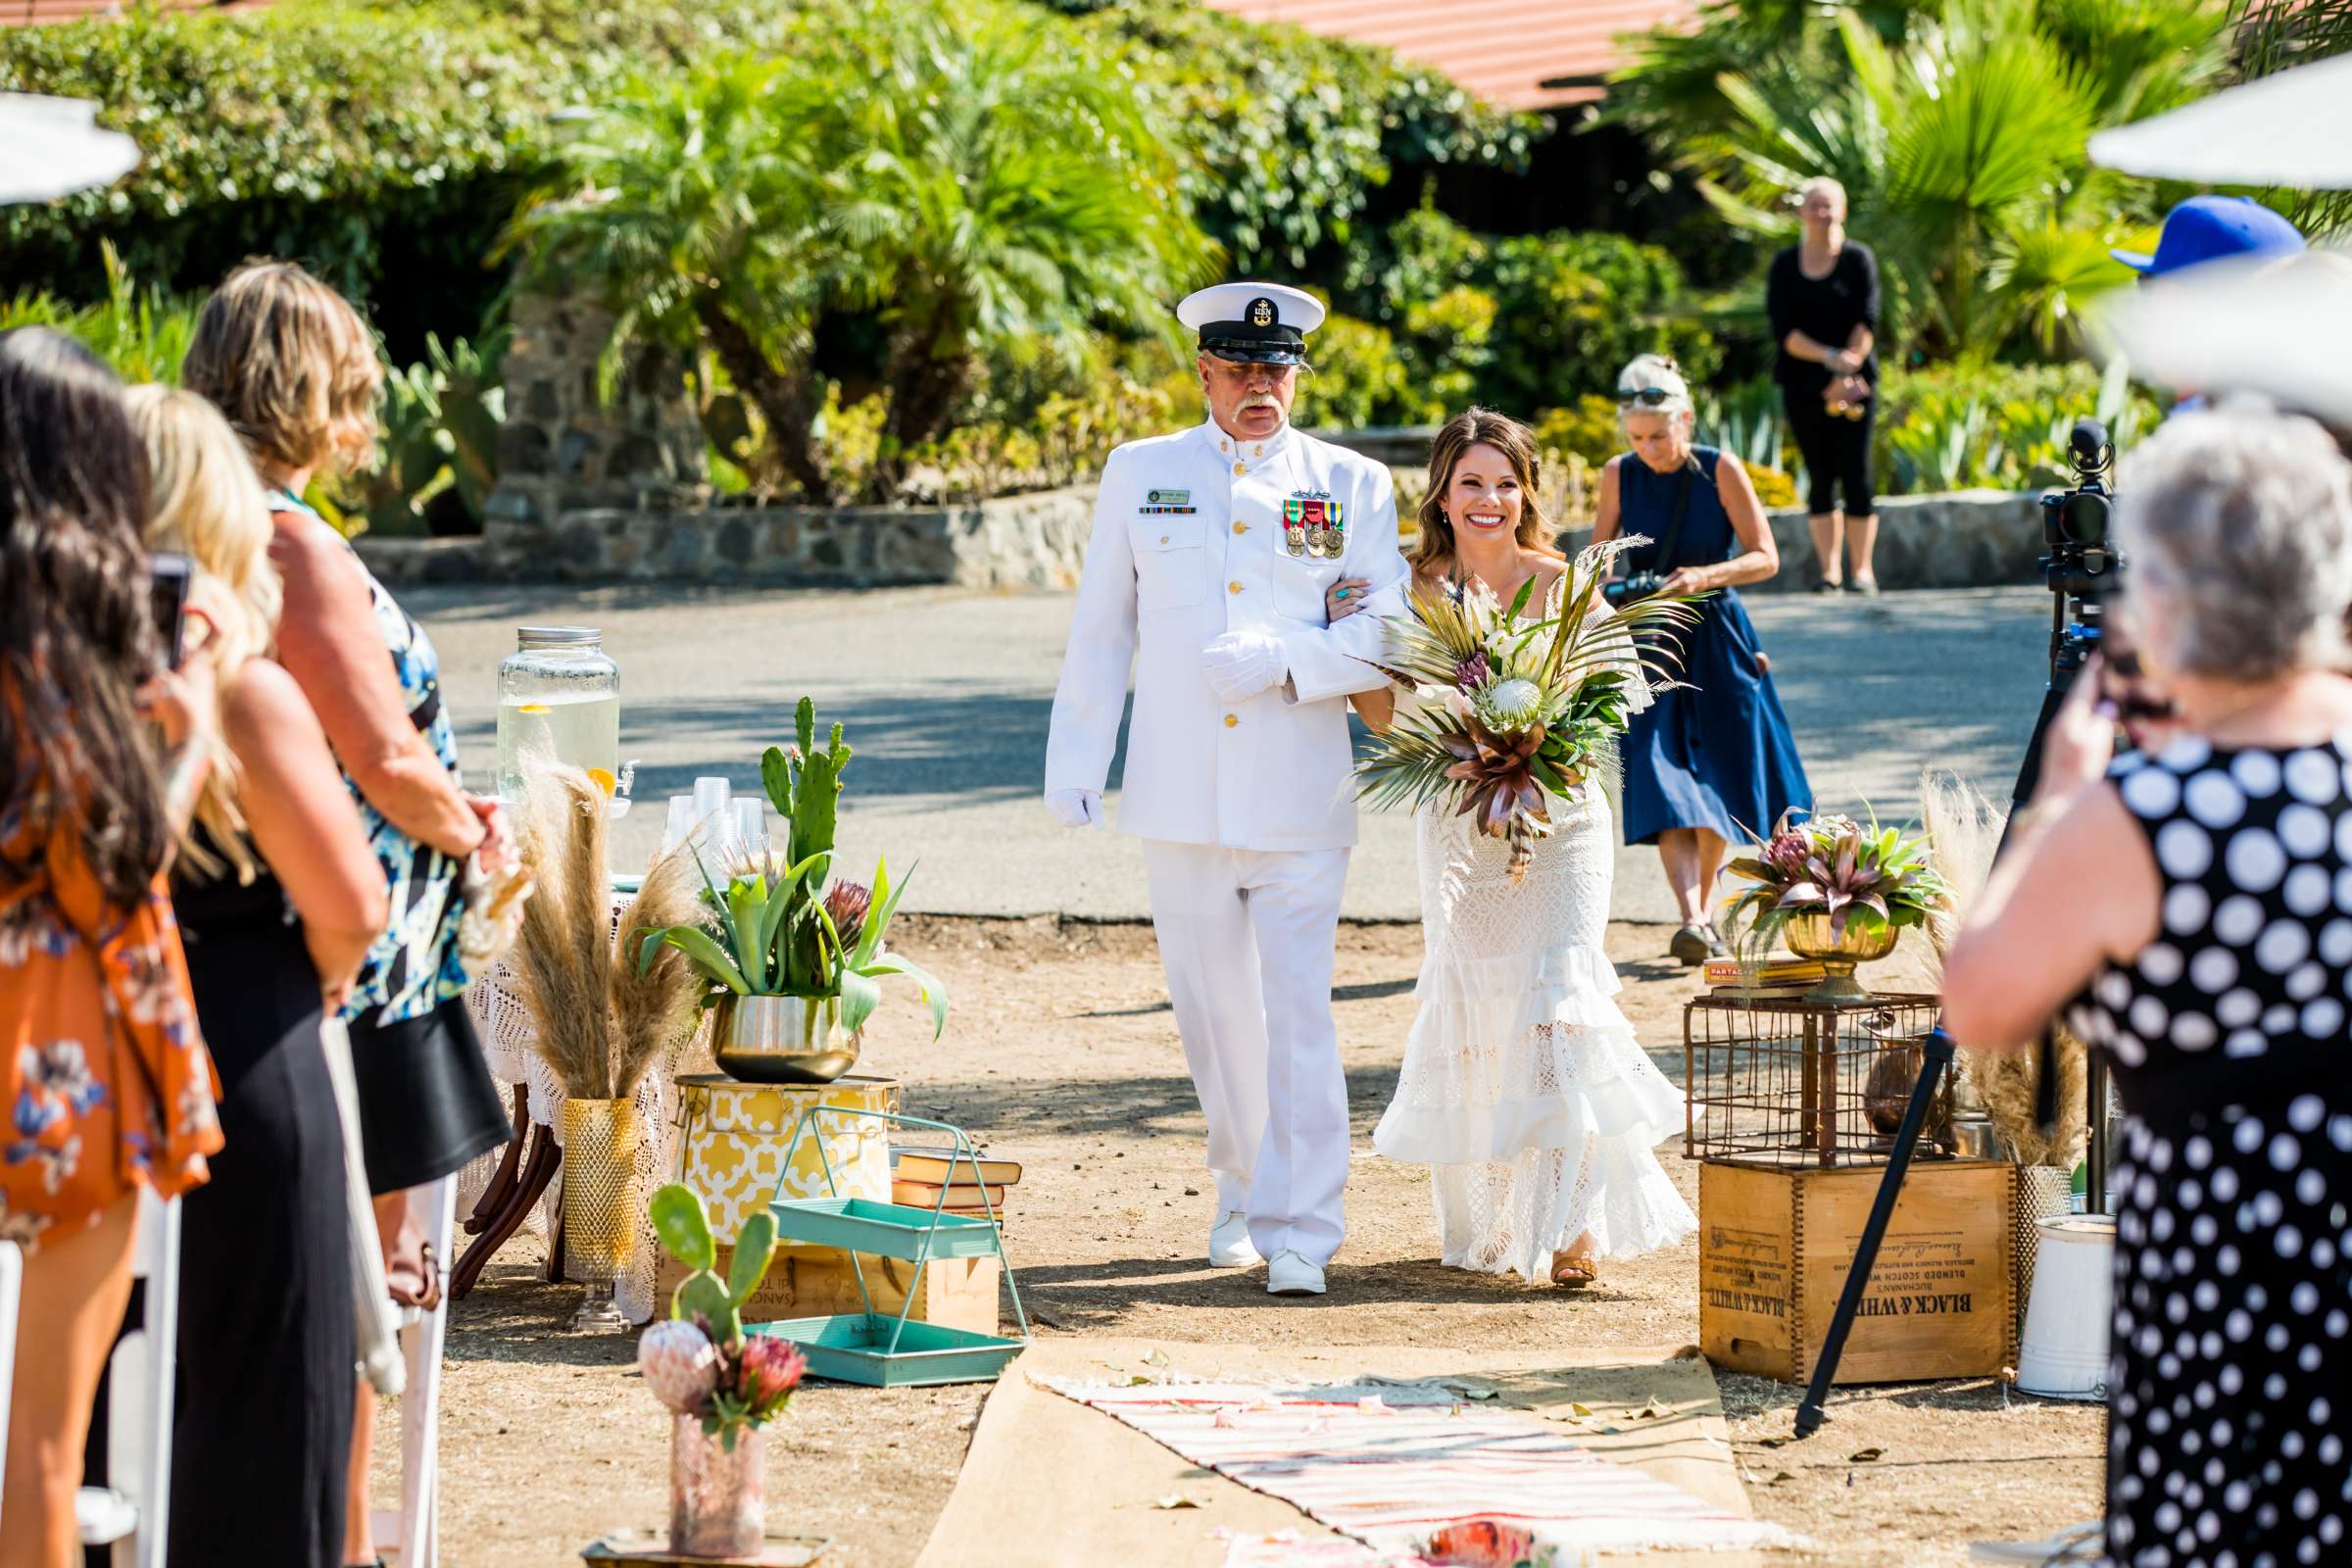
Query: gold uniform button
(1240, 467)
(1233, 587)
(1163, 538)
(1239, 527)
(1231, 721)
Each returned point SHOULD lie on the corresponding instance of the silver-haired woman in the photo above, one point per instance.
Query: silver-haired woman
(2192, 910)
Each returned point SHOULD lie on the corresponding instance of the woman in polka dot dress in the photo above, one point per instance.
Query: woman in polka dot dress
(2190, 908)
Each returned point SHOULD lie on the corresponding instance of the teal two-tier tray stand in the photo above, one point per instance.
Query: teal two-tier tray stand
(870, 1346)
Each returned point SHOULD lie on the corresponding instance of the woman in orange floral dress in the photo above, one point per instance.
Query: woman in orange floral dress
(104, 1081)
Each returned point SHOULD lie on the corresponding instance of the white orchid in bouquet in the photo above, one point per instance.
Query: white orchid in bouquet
(1514, 713)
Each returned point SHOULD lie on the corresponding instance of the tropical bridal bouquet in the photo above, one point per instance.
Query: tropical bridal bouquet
(1514, 712)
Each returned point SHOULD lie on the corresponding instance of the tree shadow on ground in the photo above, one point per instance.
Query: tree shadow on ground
(1372, 991)
(514, 1315)
(1161, 1106)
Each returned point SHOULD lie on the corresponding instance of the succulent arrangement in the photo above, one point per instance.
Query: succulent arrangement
(1870, 877)
(1513, 713)
(699, 1361)
(771, 927)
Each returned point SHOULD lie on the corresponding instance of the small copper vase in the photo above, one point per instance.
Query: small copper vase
(1808, 937)
(718, 1500)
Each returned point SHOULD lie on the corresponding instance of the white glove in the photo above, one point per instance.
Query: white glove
(1075, 808)
(1243, 663)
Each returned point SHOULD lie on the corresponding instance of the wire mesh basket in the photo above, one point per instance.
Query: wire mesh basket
(1783, 1081)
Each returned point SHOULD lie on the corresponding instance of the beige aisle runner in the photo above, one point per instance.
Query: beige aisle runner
(1073, 1486)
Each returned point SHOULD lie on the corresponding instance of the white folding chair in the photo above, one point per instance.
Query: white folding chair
(132, 1512)
(414, 1528)
(11, 1286)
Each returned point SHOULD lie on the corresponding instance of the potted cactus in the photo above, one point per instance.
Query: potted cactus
(722, 1386)
(795, 967)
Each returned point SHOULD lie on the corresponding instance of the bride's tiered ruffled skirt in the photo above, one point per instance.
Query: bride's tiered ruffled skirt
(1523, 1087)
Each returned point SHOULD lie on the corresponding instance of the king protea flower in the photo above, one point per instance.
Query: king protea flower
(679, 1362)
(771, 1369)
(1512, 704)
(1496, 772)
(848, 903)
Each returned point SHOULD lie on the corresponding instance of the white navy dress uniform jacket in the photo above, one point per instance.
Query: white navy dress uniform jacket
(1189, 543)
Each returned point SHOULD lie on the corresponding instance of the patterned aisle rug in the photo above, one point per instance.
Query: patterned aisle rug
(1392, 1463)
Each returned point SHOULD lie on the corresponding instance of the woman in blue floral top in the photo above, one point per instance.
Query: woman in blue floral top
(295, 368)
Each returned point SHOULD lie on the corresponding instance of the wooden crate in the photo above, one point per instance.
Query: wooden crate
(1775, 1245)
(818, 1282)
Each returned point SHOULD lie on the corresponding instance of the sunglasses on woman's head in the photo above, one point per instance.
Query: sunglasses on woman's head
(1648, 396)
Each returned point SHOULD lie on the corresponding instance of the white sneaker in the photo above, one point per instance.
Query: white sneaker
(1292, 1273)
(1229, 1244)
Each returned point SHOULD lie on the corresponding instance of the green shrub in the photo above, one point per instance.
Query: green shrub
(1969, 423)
(1356, 379)
(1573, 308)
(141, 331)
(1287, 134)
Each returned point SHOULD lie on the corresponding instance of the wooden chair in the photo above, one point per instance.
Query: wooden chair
(131, 1513)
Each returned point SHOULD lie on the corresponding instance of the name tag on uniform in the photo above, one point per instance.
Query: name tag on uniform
(1167, 504)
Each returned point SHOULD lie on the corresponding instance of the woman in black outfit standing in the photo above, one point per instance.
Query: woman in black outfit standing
(280, 897)
(1823, 299)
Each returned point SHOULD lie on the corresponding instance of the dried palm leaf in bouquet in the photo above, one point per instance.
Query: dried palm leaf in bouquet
(599, 1020)
(1514, 713)
(1965, 830)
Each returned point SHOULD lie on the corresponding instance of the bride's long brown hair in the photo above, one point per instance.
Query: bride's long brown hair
(1433, 553)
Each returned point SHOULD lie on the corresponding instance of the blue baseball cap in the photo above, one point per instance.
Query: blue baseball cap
(2207, 229)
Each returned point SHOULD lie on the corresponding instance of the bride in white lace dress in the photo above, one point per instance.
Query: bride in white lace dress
(1523, 1087)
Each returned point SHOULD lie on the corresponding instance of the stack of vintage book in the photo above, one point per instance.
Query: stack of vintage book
(1780, 974)
(918, 1175)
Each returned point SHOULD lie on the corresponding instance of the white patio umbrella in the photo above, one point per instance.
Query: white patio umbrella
(2293, 128)
(2280, 326)
(52, 147)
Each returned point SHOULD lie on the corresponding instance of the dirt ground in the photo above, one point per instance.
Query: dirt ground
(1061, 1052)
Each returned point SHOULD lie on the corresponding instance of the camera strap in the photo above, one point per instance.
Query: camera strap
(1674, 521)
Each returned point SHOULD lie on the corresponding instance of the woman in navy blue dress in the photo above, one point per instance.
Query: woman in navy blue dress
(1712, 761)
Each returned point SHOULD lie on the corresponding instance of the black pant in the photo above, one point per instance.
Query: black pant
(1836, 449)
(265, 1335)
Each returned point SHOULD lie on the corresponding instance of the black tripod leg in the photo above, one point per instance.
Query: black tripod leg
(1935, 1057)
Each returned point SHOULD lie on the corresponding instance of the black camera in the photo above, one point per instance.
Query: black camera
(2075, 523)
(1633, 588)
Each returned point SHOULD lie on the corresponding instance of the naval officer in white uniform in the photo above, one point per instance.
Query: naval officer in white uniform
(1211, 555)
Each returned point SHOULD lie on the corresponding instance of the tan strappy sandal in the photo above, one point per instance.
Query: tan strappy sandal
(1572, 1271)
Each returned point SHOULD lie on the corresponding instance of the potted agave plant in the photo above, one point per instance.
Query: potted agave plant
(795, 967)
(1836, 891)
(721, 1385)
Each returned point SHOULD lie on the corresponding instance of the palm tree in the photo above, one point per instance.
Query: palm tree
(993, 183)
(1960, 133)
(2275, 35)
(691, 213)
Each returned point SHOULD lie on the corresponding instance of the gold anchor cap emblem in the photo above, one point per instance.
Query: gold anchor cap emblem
(1261, 313)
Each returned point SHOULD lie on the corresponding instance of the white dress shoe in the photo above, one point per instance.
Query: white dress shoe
(1293, 1274)
(1229, 1244)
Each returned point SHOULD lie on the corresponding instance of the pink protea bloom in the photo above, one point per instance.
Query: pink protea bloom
(679, 1362)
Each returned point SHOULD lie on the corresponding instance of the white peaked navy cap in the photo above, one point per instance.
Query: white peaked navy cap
(1257, 323)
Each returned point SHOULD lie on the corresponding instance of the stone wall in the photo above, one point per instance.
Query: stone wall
(1031, 540)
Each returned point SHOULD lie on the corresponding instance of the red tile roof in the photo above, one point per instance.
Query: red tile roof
(1522, 54)
(32, 13)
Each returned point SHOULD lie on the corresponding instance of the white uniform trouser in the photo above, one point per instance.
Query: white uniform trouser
(1247, 937)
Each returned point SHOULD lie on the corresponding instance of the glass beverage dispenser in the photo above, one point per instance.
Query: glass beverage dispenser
(559, 694)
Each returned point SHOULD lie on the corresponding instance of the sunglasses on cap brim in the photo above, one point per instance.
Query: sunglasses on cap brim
(1649, 397)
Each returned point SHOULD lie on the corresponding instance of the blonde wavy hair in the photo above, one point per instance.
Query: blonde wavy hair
(209, 505)
(292, 365)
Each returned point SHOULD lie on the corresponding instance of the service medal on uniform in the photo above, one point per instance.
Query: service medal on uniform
(1206, 542)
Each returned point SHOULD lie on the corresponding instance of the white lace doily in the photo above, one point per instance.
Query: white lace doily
(504, 1024)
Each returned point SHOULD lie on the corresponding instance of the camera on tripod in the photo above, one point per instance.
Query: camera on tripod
(2081, 565)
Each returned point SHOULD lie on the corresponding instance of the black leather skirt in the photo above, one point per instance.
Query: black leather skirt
(427, 1103)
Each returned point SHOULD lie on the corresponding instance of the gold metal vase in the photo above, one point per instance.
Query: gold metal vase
(600, 1222)
(782, 1040)
(1808, 937)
